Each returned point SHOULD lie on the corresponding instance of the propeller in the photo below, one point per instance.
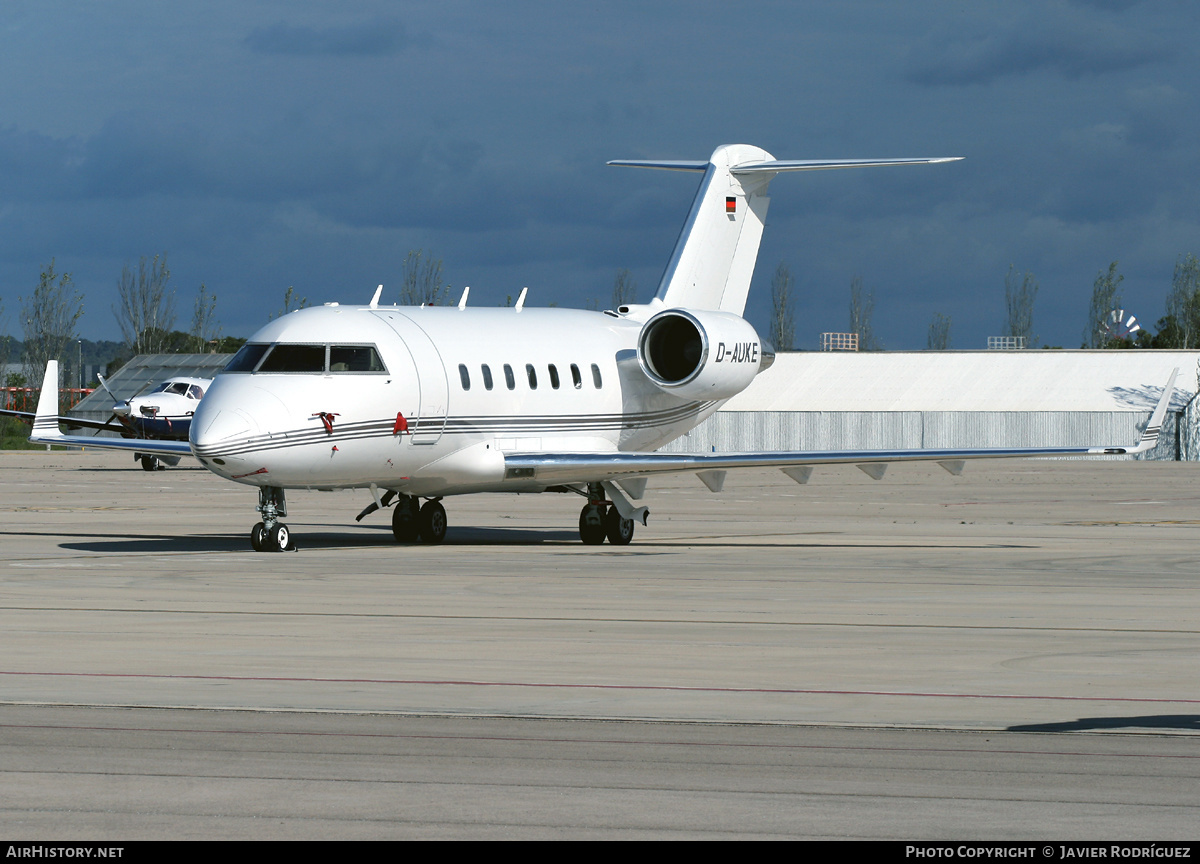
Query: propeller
(121, 407)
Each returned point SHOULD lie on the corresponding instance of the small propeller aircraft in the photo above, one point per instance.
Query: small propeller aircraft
(162, 414)
(417, 403)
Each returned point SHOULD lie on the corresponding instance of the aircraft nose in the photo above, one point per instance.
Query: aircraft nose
(226, 425)
(121, 409)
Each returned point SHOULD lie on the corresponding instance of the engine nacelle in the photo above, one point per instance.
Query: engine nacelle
(700, 354)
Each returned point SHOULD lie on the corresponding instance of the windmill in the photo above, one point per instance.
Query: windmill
(1120, 325)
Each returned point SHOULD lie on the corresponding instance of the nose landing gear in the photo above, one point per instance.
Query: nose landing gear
(271, 535)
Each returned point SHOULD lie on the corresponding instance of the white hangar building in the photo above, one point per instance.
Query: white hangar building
(912, 399)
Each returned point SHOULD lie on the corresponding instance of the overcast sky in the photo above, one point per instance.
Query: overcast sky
(267, 144)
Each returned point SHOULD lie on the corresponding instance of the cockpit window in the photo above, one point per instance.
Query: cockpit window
(247, 358)
(179, 388)
(355, 358)
(195, 391)
(306, 358)
(294, 358)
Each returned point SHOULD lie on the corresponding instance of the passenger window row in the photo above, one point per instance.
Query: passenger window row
(531, 375)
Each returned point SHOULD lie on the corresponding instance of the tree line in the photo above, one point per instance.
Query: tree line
(1108, 325)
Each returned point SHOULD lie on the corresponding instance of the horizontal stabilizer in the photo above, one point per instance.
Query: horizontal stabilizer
(779, 166)
(653, 163)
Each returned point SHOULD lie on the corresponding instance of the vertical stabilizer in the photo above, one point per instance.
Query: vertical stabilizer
(714, 257)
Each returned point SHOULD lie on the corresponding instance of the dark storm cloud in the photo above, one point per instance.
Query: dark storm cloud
(1120, 5)
(1073, 49)
(369, 38)
(420, 182)
(36, 166)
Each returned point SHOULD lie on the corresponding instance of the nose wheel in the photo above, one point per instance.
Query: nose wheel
(271, 535)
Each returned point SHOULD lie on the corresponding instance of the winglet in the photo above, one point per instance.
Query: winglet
(45, 418)
(1149, 438)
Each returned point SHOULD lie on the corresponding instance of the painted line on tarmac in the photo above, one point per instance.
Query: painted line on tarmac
(258, 679)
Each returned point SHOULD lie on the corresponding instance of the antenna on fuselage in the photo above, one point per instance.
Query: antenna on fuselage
(462, 303)
(521, 299)
(375, 299)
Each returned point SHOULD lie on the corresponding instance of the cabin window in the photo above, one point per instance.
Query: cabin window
(355, 358)
(531, 374)
(509, 379)
(246, 358)
(464, 376)
(596, 376)
(576, 378)
(553, 376)
(294, 358)
(487, 376)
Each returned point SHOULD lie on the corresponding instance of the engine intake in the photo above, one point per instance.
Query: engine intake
(700, 354)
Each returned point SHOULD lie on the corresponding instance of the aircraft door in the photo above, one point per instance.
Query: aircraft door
(426, 428)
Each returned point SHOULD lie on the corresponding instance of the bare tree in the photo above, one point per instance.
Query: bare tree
(5, 350)
(48, 319)
(1183, 303)
(624, 289)
(422, 280)
(290, 303)
(1018, 301)
(783, 319)
(205, 327)
(939, 333)
(146, 311)
(862, 309)
(1106, 297)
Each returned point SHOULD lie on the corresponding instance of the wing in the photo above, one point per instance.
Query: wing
(72, 422)
(46, 431)
(598, 467)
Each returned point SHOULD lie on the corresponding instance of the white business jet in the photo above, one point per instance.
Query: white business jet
(426, 402)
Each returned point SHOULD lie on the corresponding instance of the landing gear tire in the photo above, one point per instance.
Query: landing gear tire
(258, 537)
(591, 524)
(433, 523)
(149, 463)
(404, 520)
(278, 538)
(619, 531)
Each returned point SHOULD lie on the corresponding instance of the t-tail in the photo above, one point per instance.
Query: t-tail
(714, 257)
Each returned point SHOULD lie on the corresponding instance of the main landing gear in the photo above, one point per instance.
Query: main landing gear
(599, 519)
(413, 522)
(271, 535)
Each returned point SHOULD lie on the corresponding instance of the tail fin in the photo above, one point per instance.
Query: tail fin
(45, 418)
(714, 257)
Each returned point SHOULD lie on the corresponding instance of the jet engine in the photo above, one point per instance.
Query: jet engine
(701, 354)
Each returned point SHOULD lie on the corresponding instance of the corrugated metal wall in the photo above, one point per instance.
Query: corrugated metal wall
(736, 431)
